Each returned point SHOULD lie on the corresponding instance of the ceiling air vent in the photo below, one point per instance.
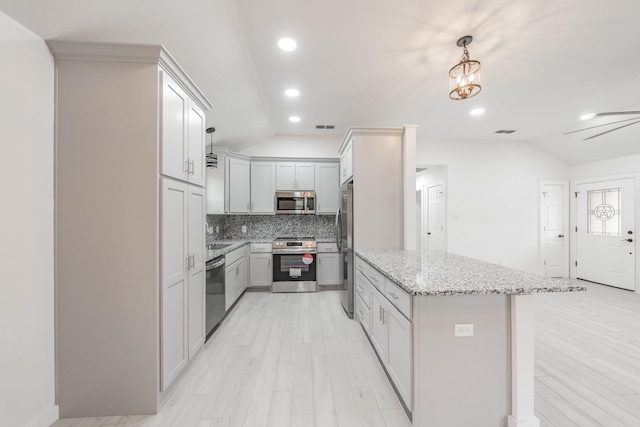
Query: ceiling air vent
(325, 126)
(505, 131)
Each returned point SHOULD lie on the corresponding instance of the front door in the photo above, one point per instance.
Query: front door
(435, 230)
(606, 233)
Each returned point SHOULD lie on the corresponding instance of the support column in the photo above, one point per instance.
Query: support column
(522, 362)
(409, 173)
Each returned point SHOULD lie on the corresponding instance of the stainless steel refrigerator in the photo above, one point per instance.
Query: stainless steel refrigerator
(344, 238)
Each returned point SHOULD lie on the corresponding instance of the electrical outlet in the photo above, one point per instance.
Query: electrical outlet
(244, 228)
(463, 330)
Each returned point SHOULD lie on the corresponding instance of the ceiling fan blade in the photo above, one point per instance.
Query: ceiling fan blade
(598, 126)
(617, 113)
(611, 130)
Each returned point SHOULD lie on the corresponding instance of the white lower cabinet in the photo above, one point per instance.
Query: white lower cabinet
(261, 271)
(363, 314)
(182, 296)
(399, 352)
(391, 336)
(328, 269)
(234, 276)
(379, 330)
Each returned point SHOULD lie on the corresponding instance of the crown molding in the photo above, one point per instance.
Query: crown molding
(71, 50)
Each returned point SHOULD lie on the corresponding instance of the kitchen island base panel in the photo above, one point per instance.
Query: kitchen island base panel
(461, 381)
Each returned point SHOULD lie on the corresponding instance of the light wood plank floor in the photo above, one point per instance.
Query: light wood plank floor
(588, 358)
(279, 360)
(296, 360)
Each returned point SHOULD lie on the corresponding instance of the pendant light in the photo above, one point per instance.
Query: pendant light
(464, 77)
(212, 159)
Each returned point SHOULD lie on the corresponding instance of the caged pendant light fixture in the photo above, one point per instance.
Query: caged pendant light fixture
(212, 159)
(464, 77)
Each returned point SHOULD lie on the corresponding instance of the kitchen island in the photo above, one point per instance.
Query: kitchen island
(454, 334)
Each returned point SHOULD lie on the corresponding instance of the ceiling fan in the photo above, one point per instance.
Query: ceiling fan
(633, 121)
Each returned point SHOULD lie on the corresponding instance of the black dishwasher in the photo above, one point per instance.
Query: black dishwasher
(215, 293)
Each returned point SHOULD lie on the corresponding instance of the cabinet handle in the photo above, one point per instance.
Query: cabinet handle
(381, 314)
(186, 166)
(191, 167)
(385, 316)
(393, 295)
(186, 263)
(193, 261)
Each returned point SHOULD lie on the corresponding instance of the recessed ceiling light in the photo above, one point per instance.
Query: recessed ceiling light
(294, 119)
(587, 116)
(291, 93)
(287, 44)
(476, 111)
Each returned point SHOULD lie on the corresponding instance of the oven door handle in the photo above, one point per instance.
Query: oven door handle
(294, 251)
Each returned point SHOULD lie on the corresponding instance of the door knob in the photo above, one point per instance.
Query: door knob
(627, 240)
(560, 235)
(428, 233)
(629, 232)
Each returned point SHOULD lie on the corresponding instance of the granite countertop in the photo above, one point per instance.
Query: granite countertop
(235, 244)
(439, 273)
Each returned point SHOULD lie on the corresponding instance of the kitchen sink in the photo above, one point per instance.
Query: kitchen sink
(217, 246)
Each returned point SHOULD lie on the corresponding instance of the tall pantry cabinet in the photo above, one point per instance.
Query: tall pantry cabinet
(130, 209)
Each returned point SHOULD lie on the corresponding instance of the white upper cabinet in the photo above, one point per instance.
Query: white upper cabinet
(346, 163)
(263, 187)
(183, 125)
(174, 129)
(327, 188)
(238, 185)
(196, 145)
(295, 177)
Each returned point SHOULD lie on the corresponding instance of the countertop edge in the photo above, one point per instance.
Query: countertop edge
(461, 290)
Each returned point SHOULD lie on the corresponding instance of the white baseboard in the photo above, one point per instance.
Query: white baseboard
(47, 418)
(529, 422)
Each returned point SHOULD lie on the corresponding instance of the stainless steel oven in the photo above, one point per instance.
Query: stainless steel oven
(294, 264)
(295, 202)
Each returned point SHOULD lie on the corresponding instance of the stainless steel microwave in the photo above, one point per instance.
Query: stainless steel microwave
(295, 202)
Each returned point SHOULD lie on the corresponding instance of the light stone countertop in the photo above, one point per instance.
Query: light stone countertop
(437, 273)
(235, 244)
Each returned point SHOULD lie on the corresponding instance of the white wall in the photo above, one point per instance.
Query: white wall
(618, 166)
(27, 365)
(492, 197)
(296, 146)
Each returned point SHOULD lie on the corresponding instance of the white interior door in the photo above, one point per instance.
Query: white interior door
(419, 234)
(553, 218)
(435, 230)
(606, 233)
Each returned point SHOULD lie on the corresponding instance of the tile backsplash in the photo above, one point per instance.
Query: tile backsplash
(271, 226)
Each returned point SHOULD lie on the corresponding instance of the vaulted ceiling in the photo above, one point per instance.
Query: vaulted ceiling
(385, 63)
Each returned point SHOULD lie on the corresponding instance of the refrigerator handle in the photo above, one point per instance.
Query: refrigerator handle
(338, 231)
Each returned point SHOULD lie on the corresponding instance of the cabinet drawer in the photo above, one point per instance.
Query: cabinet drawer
(398, 297)
(362, 266)
(376, 278)
(235, 255)
(261, 247)
(362, 288)
(363, 314)
(327, 247)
